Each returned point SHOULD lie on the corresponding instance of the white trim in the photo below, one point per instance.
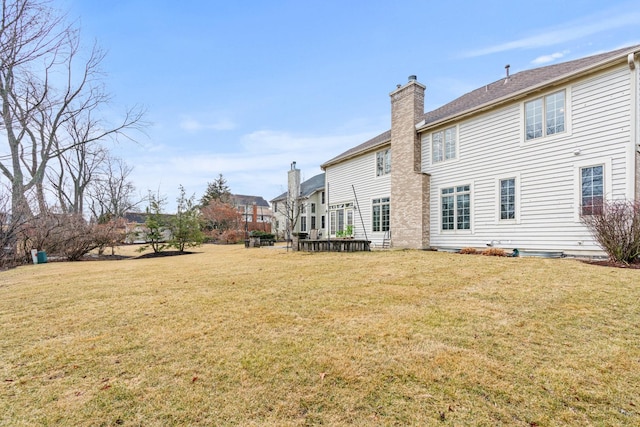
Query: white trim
(375, 164)
(608, 177)
(470, 231)
(630, 190)
(444, 161)
(516, 177)
(568, 129)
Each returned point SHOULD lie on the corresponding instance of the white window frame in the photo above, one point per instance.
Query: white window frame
(498, 186)
(543, 98)
(347, 217)
(577, 183)
(383, 162)
(456, 230)
(445, 152)
(380, 202)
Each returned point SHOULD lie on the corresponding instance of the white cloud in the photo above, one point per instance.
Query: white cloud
(191, 124)
(545, 59)
(258, 168)
(567, 32)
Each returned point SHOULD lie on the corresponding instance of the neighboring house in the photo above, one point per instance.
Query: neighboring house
(136, 230)
(255, 211)
(513, 164)
(305, 200)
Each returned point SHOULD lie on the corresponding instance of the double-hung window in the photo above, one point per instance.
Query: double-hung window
(456, 208)
(508, 199)
(381, 211)
(443, 145)
(545, 116)
(591, 189)
(383, 162)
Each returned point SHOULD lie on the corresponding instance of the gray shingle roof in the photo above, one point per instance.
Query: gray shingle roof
(242, 200)
(307, 188)
(493, 94)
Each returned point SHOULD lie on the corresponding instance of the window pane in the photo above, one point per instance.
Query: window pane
(533, 119)
(385, 216)
(387, 161)
(592, 189)
(379, 164)
(448, 213)
(450, 144)
(555, 113)
(463, 212)
(508, 199)
(376, 216)
(437, 147)
(332, 218)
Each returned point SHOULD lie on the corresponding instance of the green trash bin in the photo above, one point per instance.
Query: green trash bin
(42, 257)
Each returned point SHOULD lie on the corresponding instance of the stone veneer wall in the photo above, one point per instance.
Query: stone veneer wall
(409, 186)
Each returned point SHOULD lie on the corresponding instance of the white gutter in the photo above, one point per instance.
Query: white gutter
(420, 127)
(634, 144)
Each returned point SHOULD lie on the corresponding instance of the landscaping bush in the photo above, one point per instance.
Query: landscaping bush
(494, 252)
(616, 228)
(469, 251)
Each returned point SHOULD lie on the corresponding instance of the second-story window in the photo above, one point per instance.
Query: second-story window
(383, 162)
(544, 116)
(443, 145)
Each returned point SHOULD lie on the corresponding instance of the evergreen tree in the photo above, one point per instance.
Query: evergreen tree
(185, 226)
(216, 190)
(156, 224)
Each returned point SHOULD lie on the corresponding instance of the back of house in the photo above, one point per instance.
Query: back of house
(517, 163)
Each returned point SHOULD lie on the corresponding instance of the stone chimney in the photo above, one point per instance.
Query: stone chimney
(409, 186)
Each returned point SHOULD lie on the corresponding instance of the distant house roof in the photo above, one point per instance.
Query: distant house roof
(307, 188)
(135, 217)
(141, 217)
(503, 90)
(242, 200)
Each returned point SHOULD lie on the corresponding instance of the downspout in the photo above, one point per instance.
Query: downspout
(634, 144)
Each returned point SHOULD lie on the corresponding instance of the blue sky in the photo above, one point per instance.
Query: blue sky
(245, 88)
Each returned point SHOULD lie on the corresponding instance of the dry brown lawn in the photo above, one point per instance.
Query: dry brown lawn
(265, 337)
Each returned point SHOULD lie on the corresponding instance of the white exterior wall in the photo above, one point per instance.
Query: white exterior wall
(361, 173)
(491, 147)
(320, 211)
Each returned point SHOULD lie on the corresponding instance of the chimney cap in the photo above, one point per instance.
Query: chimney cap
(413, 77)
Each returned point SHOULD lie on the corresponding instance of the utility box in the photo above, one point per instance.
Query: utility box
(42, 257)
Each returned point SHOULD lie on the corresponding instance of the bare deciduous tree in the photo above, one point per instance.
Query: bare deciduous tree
(111, 193)
(47, 108)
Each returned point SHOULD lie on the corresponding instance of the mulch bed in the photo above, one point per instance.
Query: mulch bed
(163, 254)
(609, 263)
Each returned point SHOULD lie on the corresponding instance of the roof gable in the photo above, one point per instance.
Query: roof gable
(521, 83)
(307, 188)
(503, 90)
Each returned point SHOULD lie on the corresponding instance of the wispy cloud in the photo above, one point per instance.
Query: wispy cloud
(567, 32)
(191, 124)
(259, 167)
(545, 59)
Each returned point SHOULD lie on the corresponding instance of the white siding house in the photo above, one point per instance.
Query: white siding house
(513, 164)
(358, 195)
(306, 206)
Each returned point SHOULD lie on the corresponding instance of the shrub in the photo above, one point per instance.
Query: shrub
(262, 234)
(469, 251)
(231, 236)
(616, 228)
(494, 252)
